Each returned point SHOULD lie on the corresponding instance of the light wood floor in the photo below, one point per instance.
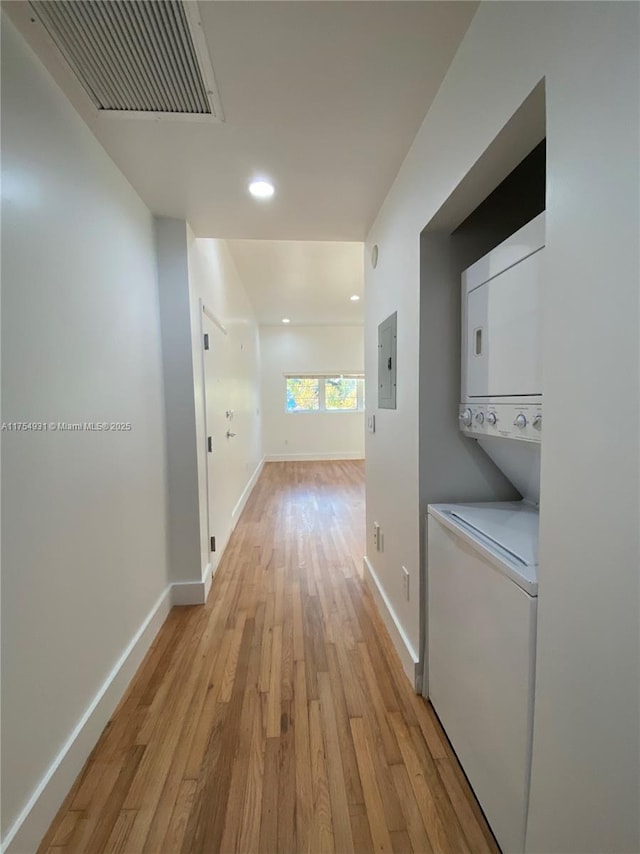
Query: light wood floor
(277, 717)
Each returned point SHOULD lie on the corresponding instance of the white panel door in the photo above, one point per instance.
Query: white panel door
(503, 333)
(220, 447)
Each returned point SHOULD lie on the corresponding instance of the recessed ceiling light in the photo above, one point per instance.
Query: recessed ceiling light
(261, 189)
(286, 320)
(354, 298)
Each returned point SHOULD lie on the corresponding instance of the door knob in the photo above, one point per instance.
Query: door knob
(230, 435)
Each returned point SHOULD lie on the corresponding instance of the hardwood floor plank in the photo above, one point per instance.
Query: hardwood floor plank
(443, 802)
(77, 841)
(352, 685)
(269, 813)
(362, 840)
(298, 632)
(207, 716)
(110, 812)
(401, 842)
(392, 809)
(206, 824)
(347, 751)
(250, 820)
(66, 828)
(279, 596)
(432, 731)
(391, 749)
(424, 795)
(277, 717)
(178, 770)
(274, 703)
(229, 675)
(337, 788)
(179, 817)
(94, 801)
(375, 810)
(286, 784)
(321, 836)
(154, 773)
(304, 782)
(239, 775)
(118, 840)
(471, 827)
(286, 675)
(155, 723)
(97, 782)
(267, 640)
(415, 828)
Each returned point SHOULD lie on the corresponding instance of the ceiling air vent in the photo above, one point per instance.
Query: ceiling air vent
(134, 57)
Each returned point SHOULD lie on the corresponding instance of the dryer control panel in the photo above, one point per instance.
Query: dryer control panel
(521, 421)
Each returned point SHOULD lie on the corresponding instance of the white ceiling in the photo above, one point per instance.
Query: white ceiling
(324, 97)
(310, 282)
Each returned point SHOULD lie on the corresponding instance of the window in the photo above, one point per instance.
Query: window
(341, 393)
(324, 393)
(303, 394)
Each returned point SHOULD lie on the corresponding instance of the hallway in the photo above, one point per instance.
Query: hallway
(277, 717)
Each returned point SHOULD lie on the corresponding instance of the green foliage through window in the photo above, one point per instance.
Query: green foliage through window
(325, 394)
(341, 393)
(303, 394)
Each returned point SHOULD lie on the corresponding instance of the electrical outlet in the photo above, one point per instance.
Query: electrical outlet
(405, 582)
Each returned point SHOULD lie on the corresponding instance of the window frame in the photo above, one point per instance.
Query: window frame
(322, 401)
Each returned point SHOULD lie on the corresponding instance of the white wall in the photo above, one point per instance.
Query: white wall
(84, 537)
(585, 785)
(214, 282)
(309, 349)
(180, 405)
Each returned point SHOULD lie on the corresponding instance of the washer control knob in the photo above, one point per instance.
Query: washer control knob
(492, 418)
(480, 417)
(537, 422)
(466, 416)
(520, 420)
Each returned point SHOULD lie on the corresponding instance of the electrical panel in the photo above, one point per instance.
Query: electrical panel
(387, 338)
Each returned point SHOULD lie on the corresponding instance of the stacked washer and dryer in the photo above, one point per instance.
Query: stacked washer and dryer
(482, 557)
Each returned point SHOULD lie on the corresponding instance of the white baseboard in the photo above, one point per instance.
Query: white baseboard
(237, 510)
(207, 579)
(401, 642)
(27, 831)
(190, 592)
(284, 458)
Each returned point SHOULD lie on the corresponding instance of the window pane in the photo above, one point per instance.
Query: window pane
(341, 393)
(303, 394)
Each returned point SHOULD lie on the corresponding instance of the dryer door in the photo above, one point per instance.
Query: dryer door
(502, 335)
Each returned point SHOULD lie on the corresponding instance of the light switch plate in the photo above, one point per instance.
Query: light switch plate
(371, 423)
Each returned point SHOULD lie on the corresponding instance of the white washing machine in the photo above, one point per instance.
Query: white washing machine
(482, 632)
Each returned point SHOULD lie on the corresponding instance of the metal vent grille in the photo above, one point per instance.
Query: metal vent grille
(134, 56)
